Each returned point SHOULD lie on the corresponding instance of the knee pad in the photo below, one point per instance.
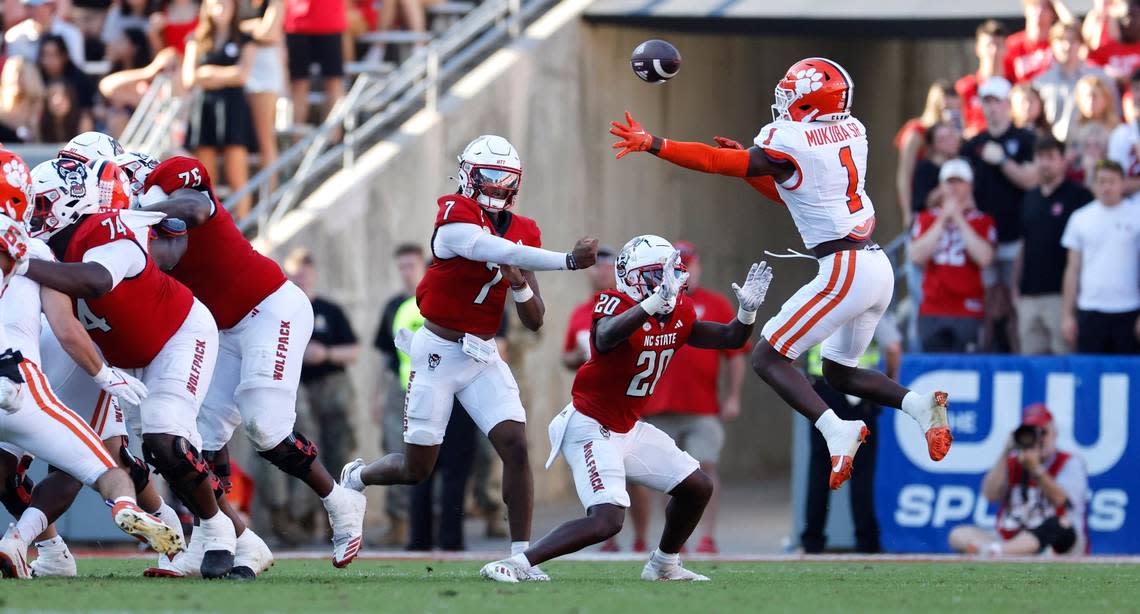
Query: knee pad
(18, 487)
(294, 456)
(220, 466)
(136, 468)
(182, 465)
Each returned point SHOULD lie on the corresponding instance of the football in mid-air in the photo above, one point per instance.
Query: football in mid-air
(655, 61)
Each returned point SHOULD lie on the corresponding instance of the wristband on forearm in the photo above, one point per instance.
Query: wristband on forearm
(523, 294)
(656, 144)
(571, 262)
(745, 317)
(653, 304)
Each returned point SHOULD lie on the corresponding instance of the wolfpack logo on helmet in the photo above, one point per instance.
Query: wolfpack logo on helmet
(73, 174)
(63, 190)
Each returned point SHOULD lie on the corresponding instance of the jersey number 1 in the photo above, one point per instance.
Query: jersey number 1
(854, 201)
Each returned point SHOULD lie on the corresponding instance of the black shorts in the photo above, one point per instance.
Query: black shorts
(221, 118)
(324, 50)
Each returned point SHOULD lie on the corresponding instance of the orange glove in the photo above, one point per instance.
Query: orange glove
(727, 143)
(633, 137)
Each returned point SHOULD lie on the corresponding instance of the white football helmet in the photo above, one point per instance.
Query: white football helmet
(640, 267)
(64, 190)
(490, 172)
(91, 145)
(137, 167)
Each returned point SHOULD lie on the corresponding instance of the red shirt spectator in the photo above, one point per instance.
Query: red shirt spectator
(580, 323)
(1025, 58)
(1118, 59)
(576, 347)
(989, 47)
(316, 16)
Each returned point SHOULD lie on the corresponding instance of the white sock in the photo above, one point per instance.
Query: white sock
(828, 424)
(917, 406)
(662, 559)
(55, 543)
(333, 494)
(32, 522)
(521, 560)
(519, 547)
(126, 499)
(170, 518)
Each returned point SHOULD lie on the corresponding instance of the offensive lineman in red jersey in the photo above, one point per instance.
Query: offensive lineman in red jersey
(265, 323)
(144, 320)
(637, 329)
(480, 250)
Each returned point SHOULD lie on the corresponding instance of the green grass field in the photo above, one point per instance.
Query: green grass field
(603, 587)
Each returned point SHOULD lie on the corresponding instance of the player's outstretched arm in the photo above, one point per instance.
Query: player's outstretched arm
(75, 279)
(189, 205)
(527, 297)
(714, 335)
(473, 243)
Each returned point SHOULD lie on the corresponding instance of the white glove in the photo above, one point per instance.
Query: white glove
(751, 295)
(10, 401)
(672, 283)
(120, 385)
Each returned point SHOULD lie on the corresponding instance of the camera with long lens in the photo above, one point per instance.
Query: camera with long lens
(1027, 436)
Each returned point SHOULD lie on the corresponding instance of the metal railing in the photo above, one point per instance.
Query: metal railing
(385, 101)
(152, 128)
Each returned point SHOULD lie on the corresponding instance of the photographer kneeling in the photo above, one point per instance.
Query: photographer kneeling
(1042, 493)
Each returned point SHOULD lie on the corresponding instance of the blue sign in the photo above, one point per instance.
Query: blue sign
(1094, 400)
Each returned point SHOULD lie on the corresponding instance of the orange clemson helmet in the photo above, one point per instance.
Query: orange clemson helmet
(814, 90)
(15, 187)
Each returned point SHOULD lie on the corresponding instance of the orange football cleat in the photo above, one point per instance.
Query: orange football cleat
(841, 466)
(938, 436)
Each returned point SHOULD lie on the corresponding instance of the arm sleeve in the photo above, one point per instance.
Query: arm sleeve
(122, 259)
(473, 243)
(705, 158)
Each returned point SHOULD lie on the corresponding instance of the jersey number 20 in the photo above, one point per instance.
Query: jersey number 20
(645, 382)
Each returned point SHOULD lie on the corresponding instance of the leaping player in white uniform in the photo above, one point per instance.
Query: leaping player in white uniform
(816, 153)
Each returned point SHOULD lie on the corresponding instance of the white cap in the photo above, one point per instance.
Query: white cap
(996, 87)
(956, 168)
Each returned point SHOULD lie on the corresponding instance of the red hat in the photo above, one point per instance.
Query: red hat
(688, 251)
(1036, 415)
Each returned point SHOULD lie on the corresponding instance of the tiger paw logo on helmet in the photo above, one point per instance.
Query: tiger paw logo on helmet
(809, 80)
(17, 175)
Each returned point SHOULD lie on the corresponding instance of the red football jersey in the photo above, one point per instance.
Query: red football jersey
(1119, 60)
(131, 323)
(220, 266)
(613, 388)
(1025, 59)
(463, 294)
(952, 283)
(973, 119)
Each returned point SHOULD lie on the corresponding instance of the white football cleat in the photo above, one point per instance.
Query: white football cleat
(534, 574)
(185, 564)
(668, 573)
(146, 528)
(842, 446)
(54, 561)
(349, 476)
(346, 516)
(504, 570)
(219, 541)
(14, 556)
(253, 556)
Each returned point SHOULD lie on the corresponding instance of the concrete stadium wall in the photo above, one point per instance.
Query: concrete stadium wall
(553, 97)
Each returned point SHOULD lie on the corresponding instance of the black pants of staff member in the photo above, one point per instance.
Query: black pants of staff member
(861, 486)
(1107, 333)
(453, 468)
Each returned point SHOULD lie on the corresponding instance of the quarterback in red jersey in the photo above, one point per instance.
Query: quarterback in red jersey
(480, 251)
(141, 319)
(265, 322)
(637, 329)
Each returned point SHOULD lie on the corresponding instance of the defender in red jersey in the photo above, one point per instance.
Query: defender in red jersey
(141, 319)
(265, 322)
(480, 251)
(637, 329)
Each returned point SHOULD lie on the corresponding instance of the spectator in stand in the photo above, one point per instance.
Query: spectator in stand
(943, 142)
(943, 105)
(1096, 102)
(89, 16)
(685, 403)
(989, 46)
(1002, 161)
(1087, 146)
(1026, 110)
(1040, 264)
(21, 100)
(218, 61)
(576, 346)
(173, 24)
(1102, 22)
(953, 242)
(1121, 57)
(314, 33)
(126, 15)
(362, 17)
(124, 88)
(1058, 84)
(1041, 491)
(23, 39)
(56, 67)
(1101, 290)
(1027, 52)
(1124, 141)
(263, 21)
(332, 349)
(411, 265)
(62, 117)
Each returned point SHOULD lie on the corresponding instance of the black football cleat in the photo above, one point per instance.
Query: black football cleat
(241, 573)
(217, 564)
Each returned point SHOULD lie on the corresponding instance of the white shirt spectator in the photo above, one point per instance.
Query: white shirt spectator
(1122, 148)
(1108, 239)
(1028, 507)
(23, 39)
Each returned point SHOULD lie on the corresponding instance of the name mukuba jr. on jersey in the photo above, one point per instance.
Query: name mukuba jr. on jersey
(613, 387)
(825, 194)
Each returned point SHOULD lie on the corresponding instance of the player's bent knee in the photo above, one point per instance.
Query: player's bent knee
(697, 487)
(295, 455)
(509, 439)
(764, 357)
(838, 376)
(607, 521)
(177, 460)
(16, 491)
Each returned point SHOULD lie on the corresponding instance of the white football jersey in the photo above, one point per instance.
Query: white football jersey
(22, 307)
(825, 195)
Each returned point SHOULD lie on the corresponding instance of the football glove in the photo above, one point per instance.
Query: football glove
(633, 136)
(11, 382)
(727, 143)
(120, 385)
(751, 295)
(671, 282)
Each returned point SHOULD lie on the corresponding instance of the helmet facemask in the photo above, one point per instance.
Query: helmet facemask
(493, 187)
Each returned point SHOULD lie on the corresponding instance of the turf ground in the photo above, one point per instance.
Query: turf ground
(604, 587)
